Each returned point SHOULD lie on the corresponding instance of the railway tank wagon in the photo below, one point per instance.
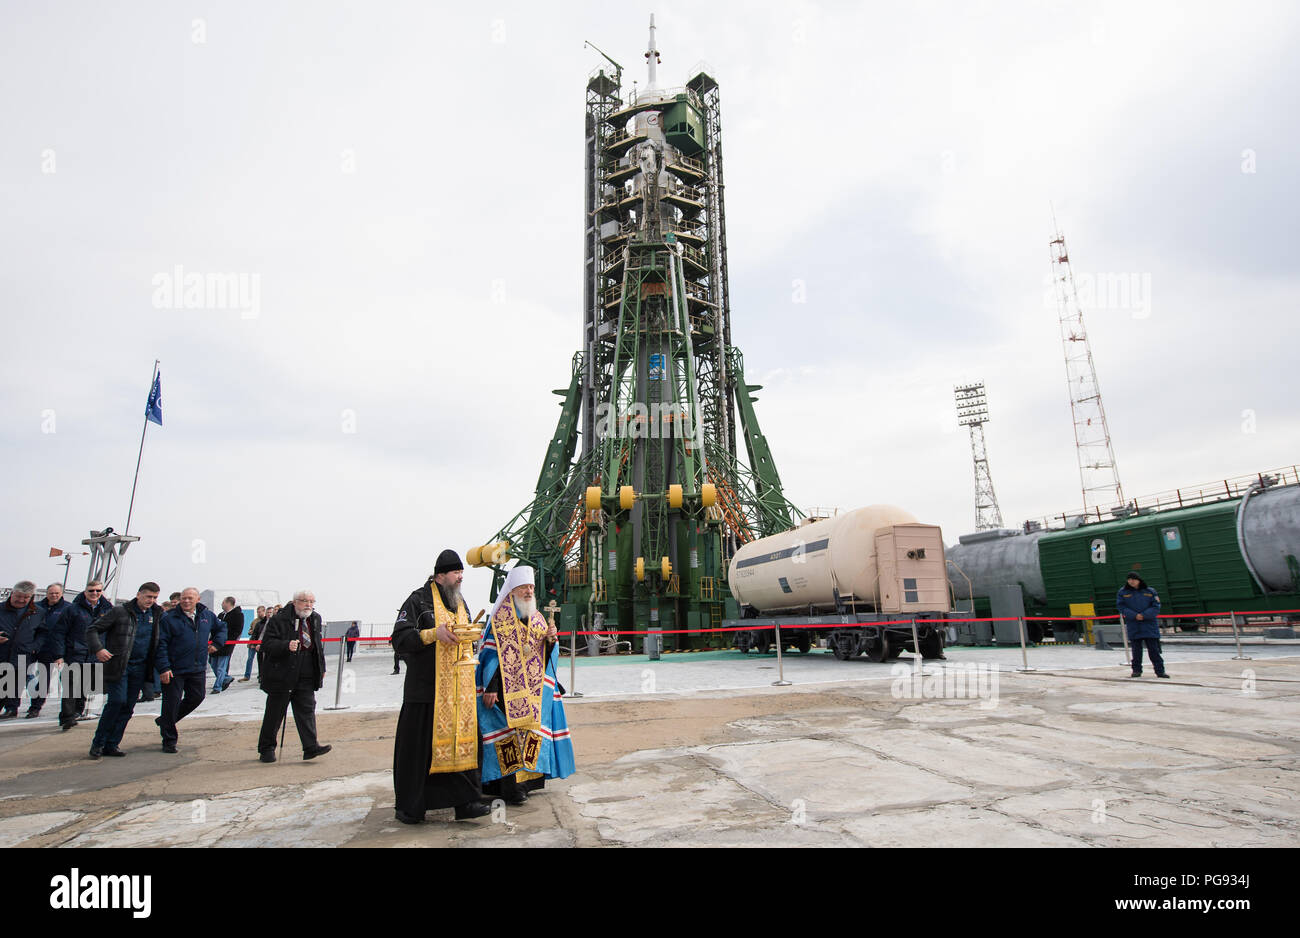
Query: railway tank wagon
(1236, 553)
(855, 579)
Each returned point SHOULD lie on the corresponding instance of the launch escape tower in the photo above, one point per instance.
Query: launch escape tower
(642, 498)
(973, 412)
(1098, 474)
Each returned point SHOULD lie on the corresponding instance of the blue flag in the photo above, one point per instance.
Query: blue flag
(153, 408)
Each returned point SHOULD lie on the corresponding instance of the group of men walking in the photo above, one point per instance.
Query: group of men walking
(140, 641)
(44, 640)
(467, 731)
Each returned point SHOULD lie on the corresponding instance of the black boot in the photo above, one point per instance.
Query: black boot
(475, 809)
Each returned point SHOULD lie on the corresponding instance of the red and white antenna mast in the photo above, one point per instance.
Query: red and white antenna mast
(1098, 473)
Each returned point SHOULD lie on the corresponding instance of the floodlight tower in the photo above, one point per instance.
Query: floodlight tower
(973, 412)
(1098, 473)
(636, 527)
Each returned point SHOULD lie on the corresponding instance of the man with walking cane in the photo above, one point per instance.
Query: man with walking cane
(291, 668)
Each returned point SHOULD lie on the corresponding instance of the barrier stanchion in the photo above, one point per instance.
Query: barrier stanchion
(1123, 633)
(1236, 637)
(1024, 649)
(780, 660)
(916, 646)
(573, 653)
(338, 680)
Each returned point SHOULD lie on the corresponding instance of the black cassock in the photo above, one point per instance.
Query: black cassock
(415, 789)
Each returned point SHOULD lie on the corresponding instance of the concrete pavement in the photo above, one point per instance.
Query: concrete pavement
(1070, 756)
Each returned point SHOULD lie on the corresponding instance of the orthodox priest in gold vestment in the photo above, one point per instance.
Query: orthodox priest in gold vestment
(436, 750)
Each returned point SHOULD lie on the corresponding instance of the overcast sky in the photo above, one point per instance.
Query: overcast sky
(402, 184)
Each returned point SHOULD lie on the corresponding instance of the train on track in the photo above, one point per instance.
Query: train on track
(1223, 548)
(876, 582)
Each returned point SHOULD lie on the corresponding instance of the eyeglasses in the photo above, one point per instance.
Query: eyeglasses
(94, 591)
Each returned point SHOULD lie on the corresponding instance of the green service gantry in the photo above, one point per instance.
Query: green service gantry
(636, 529)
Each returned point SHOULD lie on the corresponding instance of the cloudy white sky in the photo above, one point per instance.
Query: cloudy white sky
(405, 183)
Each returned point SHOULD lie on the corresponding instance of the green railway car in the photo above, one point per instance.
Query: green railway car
(1190, 555)
(1231, 554)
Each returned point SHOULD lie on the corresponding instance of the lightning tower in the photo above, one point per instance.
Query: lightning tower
(643, 497)
(1098, 474)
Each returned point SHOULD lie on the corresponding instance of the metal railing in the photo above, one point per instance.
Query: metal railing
(686, 162)
(1204, 494)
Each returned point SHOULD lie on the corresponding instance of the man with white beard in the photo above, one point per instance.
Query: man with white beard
(521, 719)
(435, 750)
(291, 671)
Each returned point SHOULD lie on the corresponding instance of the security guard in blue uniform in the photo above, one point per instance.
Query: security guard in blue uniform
(1139, 604)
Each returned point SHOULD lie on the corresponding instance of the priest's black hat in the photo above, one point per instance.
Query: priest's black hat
(448, 560)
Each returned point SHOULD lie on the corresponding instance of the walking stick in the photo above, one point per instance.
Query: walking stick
(284, 725)
(284, 720)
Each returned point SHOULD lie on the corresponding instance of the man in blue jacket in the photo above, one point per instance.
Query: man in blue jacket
(1139, 604)
(54, 606)
(69, 641)
(188, 634)
(21, 622)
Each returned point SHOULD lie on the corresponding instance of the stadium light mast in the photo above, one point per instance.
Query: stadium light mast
(973, 412)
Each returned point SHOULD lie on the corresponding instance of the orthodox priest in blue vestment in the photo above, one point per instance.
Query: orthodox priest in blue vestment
(520, 714)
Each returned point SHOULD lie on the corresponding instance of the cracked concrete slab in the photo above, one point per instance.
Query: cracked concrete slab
(980, 765)
(15, 830)
(954, 825)
(829, 777)
(1083, 748)
(654, 797)
(1214, 745)
(1118, 817)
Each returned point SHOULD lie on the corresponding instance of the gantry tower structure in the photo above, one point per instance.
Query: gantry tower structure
(644, 492)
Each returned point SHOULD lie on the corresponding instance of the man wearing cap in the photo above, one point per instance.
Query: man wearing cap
(436, 749)
(525, 733)
(1139, 604)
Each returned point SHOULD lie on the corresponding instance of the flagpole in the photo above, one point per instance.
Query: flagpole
(140, 455)
(131, 508)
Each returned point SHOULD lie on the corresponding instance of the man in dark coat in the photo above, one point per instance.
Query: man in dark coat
(47, 656)
(69, 640)
(1139, 604)
(21, 624)
(233, 616)
(436, 749)
(189, 633)
(290, 670)
(125, 643)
